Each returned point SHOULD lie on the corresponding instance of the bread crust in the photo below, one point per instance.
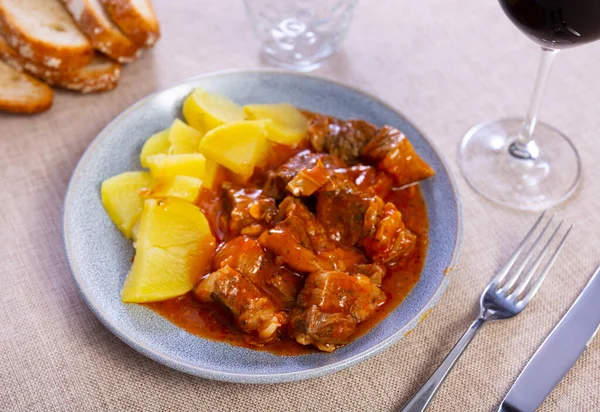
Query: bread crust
(103, 35)
(39, 50)
(143, 31)
(37, 102)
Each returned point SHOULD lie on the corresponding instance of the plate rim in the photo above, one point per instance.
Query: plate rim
(234, 377)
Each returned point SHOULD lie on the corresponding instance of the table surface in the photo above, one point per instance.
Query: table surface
(447, 65)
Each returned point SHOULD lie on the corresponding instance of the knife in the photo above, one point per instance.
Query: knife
(561, 349)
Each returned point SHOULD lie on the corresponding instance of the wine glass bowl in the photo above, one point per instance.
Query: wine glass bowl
(556, 24)
(521, 163)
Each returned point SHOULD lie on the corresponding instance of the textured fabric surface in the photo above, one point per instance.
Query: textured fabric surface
(446, 65)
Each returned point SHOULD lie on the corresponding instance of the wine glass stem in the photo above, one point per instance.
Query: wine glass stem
(524, 147)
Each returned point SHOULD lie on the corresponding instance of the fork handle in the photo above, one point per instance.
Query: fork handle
(421, 399)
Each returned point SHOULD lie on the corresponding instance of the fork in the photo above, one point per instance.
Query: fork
(504, 297)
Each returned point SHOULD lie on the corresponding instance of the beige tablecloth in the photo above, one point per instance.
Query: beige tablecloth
(447, 65)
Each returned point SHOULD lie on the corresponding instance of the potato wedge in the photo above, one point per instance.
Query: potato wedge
(174, 247)
(122, 198)
(182, 187)
(156, 275)
(262, 159)
(211, 170)
(204, 111)
(170, 222)
(183, 138)
(288, 125)
(236, 145)
(156, 144)
(162, 165)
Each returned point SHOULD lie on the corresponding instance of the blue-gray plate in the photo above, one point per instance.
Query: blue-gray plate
(99, 256)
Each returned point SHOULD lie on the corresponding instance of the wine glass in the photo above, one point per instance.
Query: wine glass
(523, 163)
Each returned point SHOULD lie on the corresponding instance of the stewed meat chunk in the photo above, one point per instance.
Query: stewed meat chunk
(367, 179)
(247, 256)
(250, 209)
(278, 180)
(344, 258)
(351, 217)
(243, 254)
(284, 286)
(297, 238)
(253, 312)
(309, 180)
(300, 241)
(391, 152)
(341, 138)
(330, 306)
(391, 239)
(348, 215)
(374, 271)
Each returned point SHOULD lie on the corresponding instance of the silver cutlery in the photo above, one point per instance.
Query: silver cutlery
(559, 352)
(505, 296)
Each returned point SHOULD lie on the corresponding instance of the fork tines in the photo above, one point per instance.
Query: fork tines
(517, 282)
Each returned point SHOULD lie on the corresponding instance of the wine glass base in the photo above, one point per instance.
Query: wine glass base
(525, 184)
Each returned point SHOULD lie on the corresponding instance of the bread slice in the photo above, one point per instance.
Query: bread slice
(100, 75)
(92, 19)
(136, 19)
(42, 30)
(20, 93)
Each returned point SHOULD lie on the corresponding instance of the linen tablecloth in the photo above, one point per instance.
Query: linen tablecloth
(447, 65)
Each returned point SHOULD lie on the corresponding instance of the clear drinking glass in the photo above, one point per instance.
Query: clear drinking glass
(300, 34)
(522, 163)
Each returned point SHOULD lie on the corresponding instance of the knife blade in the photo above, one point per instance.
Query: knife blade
(558, 353)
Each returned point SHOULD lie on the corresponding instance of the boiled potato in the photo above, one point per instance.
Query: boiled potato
(182, 187)
(156, 275)
(183, 138)
(173, 250)
(162, 165)
(236, 145)
(134, 231)
(262, 159)
(204, 111)
(288, 125)
(122, 198)
(156, 144)
(211, 170)
(171, 222)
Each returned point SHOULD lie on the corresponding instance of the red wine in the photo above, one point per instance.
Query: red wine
(556, 23)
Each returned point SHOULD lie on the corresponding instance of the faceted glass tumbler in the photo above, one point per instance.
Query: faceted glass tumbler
(300, 34)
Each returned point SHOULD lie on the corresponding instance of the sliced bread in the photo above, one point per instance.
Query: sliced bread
(43, 31)
(100, 75)
(21, 93)
(92, 19)
(136, 19)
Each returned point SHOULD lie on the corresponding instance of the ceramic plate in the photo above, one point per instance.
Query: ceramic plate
(99, 256)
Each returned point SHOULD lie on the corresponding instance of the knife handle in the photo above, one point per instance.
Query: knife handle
(421, 400)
